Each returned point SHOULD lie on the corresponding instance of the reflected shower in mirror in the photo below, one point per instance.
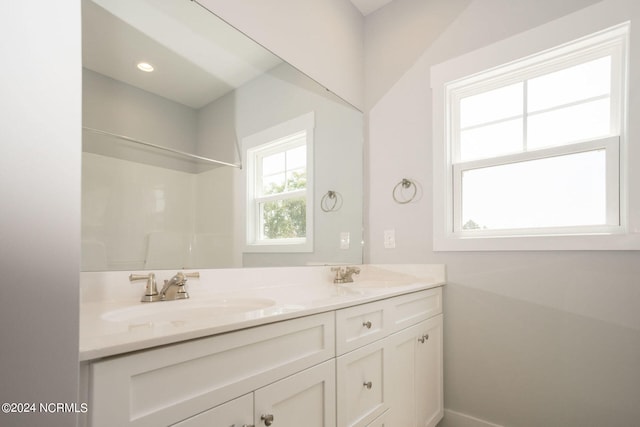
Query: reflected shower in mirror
(171, 96)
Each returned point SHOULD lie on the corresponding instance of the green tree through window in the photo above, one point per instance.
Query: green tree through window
(286, 218)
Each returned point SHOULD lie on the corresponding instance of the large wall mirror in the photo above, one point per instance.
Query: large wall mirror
(191, 155)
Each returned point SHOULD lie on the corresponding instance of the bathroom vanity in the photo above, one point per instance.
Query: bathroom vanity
(367, 353)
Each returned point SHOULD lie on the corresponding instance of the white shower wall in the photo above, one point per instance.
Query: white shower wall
(152, 217)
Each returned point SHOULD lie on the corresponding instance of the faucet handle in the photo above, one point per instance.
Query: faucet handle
(195, 275)
(344, 274)
(349, 272)
(151, 289)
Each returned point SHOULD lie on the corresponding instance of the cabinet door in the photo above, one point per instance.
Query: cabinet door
(362, 386)
(304, 399)
(237, 413)
(381, 421)
(415, 381)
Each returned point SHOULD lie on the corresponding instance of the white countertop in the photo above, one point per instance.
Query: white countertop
(114, 321)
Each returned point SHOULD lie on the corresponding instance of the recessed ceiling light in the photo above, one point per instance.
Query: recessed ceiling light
(145, 66)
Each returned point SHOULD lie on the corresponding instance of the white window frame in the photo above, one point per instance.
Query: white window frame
(275, 139)
(450, 82)
(611, 147)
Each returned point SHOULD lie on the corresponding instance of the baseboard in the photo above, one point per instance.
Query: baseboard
(458, 419)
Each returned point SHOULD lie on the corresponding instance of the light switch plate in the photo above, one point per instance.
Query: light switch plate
(345, 240)
(390, 239)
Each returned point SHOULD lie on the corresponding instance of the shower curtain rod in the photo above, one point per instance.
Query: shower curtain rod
(159, 147)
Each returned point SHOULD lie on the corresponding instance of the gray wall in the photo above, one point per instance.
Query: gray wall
(40, 214)
(116, 107)
(531, 338)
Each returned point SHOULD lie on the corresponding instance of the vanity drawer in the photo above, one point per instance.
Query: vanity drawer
(361, 381)
(162, 386)
(362, 324)
(411, 309)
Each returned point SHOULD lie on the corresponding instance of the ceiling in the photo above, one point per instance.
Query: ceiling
(197, 57)
(368, 6)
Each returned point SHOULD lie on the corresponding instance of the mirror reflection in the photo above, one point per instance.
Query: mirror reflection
(201, 149)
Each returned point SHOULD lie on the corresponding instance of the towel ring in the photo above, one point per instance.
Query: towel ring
(398, 190)
(331, 202)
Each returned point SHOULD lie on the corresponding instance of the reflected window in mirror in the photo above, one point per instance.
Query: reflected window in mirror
(280, 188)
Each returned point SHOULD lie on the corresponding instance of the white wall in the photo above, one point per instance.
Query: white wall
(40, 215)
(124, 201)
(323, 39)
(531, 338)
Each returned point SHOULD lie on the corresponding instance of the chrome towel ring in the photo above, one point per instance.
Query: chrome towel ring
(399, 191)
(331, 201)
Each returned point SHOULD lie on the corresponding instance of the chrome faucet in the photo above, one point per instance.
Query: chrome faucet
(344, 274)
(173, 288)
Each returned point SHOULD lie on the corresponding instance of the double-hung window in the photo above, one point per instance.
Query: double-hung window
(279, 188)
(533, 148)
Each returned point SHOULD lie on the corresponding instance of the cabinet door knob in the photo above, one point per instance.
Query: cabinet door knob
(368, 385)
(367, 324)
(423, 338)
(268, 419)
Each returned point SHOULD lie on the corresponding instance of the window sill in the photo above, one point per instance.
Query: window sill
(278, 247)
(590, 242)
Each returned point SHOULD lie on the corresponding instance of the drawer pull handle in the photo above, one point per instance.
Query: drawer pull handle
(423, 338)
(368, 385)
(367, 324)
(268, 419)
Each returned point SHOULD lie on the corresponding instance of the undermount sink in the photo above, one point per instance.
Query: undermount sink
(184, 310)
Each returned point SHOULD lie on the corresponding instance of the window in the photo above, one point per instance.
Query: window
(279, 183)
(533, 148)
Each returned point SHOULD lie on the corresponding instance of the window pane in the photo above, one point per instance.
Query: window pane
(284, 219)
(566, 190)
(490, 106)
(273, 184)
(297, 158)
(572, 84)
(296, 180)
(273, 164)
(492, 140)
(571, 124)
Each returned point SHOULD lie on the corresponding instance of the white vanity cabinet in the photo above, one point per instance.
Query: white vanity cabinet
(303, 399)
(237, 413)
(168, 385)
(386, 362)
(381, 421)
(361, 389)
(415, 376)
(369, 365)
